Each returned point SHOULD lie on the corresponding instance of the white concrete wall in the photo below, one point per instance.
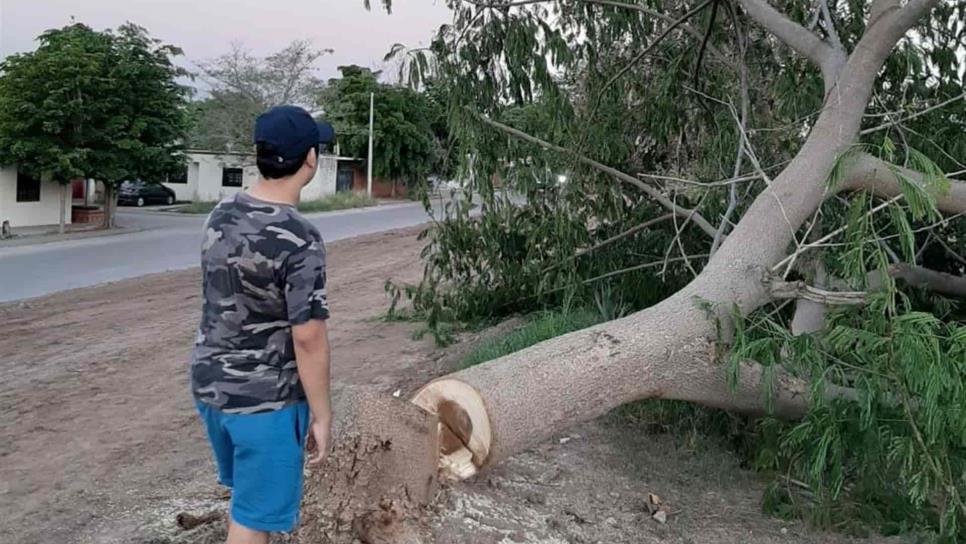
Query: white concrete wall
(28, 214)
(205, 173)
(324, 181)
(205, 170)
(186, 192)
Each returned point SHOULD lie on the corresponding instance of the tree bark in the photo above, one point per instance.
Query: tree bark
(937, 282)
(110, 203)
(62, 227)
(866, 172)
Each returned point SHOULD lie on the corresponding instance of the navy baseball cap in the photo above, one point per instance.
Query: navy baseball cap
(291, 131)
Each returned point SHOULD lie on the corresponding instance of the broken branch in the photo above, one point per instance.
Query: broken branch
(800, 290)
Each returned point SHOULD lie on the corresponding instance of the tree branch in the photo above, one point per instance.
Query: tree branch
(652, 264)
(800, 290)
(950, 251)
(615, 4)
(829, 25)
(629, 232)
(621, 236)
(818, 243)
(795, 36)
(742, 123)
(878, 176)
(914, 115)
(681, 20)
(697, 218)
(932, 280)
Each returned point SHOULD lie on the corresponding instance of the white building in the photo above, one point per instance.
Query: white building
(211, 176)
(26, 201)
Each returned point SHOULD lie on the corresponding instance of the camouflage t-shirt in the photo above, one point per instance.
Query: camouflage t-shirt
(263, 270)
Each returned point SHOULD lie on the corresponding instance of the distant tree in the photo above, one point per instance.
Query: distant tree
(223, 122)
(242, 86)
(405, 139)
(103, 105)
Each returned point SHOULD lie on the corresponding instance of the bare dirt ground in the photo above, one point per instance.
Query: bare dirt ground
(99, 442)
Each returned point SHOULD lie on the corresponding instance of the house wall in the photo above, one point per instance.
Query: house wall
(187, 192)
(381, 187)
(205, 176)
(28, 214)
(324, 181)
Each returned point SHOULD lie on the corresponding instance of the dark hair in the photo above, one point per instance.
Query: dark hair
(266, 157)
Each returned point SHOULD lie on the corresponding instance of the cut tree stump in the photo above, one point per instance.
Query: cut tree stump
(381, 471)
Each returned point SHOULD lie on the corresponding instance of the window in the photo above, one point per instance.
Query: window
(180, 177)
(231, 177)
(28, 188)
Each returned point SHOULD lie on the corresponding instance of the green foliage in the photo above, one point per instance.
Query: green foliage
(518, 259)
(405, 124)
(895, 455)
(885, 440)
(103, 105)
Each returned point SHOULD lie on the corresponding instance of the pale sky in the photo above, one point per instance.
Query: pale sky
(205, 28)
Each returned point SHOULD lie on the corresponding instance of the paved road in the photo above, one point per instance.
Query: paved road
(166, 242)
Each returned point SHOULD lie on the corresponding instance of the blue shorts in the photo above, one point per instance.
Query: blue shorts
(260, 457)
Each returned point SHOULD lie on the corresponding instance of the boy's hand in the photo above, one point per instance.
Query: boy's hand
(318, 441)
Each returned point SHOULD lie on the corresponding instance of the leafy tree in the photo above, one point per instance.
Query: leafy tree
(769, 192)
(405, 145)
(103, 105)
(243, 86)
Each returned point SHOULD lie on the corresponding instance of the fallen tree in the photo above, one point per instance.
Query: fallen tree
(676, 349)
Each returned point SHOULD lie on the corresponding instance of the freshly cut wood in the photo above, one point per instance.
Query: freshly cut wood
(464, 426)
(380, 472)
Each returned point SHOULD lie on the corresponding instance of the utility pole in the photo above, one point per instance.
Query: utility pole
(372, 103)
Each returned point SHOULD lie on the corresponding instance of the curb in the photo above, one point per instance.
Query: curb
(40, 239)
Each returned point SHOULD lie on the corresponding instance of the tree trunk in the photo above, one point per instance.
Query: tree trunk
(381, 470)
(110, 199)
(61, 228)
(669, 351)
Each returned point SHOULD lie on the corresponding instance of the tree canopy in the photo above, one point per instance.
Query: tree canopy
(407, 125)
(103, 105)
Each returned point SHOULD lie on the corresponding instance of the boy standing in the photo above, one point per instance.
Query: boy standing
(260, 367)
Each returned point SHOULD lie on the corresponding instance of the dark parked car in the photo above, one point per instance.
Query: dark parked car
(139, 193)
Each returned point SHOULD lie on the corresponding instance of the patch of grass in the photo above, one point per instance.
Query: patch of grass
(203, 207)
(542, 326)
(338, 201)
